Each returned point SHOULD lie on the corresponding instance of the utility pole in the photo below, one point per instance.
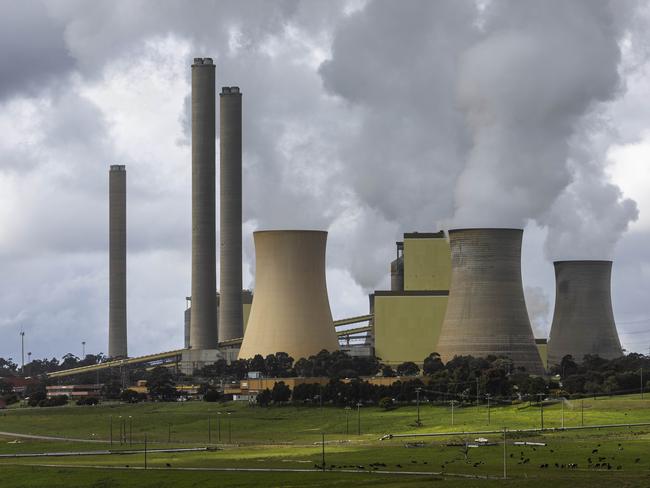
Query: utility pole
(417, 391)
(22, 349)
(488, 405)
(29, 362)
(359, 418)
(83, 350)
(452, 412)
(347, 420)
(505, 459)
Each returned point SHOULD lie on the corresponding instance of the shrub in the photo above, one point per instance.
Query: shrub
(212, 396)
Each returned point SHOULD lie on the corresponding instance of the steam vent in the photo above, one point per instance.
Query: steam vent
(203, 326)
(486, 313)
(117, 346)
(583, 321)
(290, 311)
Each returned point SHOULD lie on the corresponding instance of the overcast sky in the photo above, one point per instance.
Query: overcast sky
(364, 118)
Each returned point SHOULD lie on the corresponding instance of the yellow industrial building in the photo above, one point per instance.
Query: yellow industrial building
(408, 318)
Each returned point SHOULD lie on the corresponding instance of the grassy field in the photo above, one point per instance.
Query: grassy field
(289, 438)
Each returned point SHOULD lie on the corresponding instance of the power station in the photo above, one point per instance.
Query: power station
(583, 320)
(456, 294)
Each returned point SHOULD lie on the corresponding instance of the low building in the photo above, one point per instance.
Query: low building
(74, 391)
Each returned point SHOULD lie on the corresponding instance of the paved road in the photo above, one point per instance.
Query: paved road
(49, 438)
(263, 470)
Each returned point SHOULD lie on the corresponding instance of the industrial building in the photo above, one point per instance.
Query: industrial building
(408, 318)
(583, 320)
(455, 294)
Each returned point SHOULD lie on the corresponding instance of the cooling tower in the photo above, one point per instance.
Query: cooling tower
(231, 321)
(117, 261)
(583, 321)
(290, 311)
(486, 313)
(203, 327)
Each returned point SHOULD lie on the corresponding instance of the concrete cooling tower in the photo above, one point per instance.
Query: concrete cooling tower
(486, 313)
(583, 321)
(290, 311)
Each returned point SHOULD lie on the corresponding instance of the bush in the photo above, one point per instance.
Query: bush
(55, 401)
(264, 397)
(132, 396)
(87, 401)
(386, 403)
(212, 396)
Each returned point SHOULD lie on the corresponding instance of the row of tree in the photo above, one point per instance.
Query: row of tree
(597, 376)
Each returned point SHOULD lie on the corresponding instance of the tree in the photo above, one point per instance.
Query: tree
(281, 392)
(432, 364)
(386, 403)
(264, 397)
(387, 371)
(211, 395)
(161, 385)
(257, 363)
(568, 366)
(408, 368)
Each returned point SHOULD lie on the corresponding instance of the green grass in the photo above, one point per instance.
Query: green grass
(289, 438)
(189, 421)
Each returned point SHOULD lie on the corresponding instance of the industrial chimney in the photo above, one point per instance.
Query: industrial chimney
(117, 346)
(486, 313)
(583, 321)
(203, 327)
(231, 322)
(290, 311)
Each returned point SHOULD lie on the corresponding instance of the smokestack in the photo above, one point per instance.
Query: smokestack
(203, 327)
(117, 346)
(290, 311)
(231, 321)
(583, 321)
(486, 313)
(397, 269)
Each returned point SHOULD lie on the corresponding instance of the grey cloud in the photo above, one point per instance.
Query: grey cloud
(33, 48)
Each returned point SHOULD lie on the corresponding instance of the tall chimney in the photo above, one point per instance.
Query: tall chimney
(486, 313)
(117, 346)
(231, 321)
(203, 327)
(583, 320)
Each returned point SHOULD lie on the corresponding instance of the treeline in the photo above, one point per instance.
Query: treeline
(599, 376)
